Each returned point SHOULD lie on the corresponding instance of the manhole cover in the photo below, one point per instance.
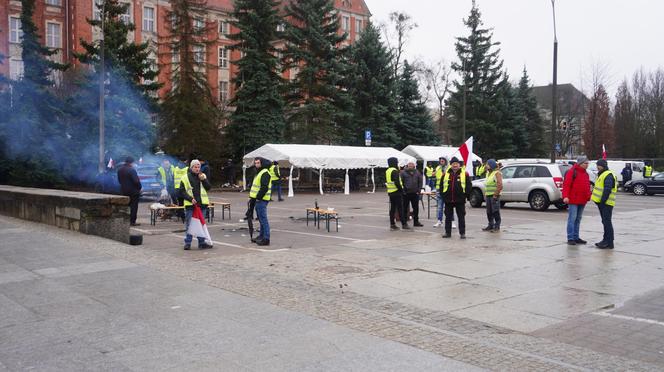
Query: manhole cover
(341, 269)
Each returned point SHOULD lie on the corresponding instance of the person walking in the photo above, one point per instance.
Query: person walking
(261, 193)
(193, 190)
(412, 184)
(166, 172)
(493, 188)
(626, 173)
(456, 187)
(576, 194)
(395, 192)
(130, 185)
(275, 177)
(604, 195)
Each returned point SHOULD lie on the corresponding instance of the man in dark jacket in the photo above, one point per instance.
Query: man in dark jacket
(456, 187)
(626, 173)
(260, 193)
(130, 185)
(412, 185)
(395, 192)
(193, 190)
(604, 195)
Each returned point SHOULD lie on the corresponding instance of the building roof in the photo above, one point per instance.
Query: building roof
(567, 93)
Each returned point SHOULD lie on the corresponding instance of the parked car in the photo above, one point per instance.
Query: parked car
(107, 182)
(647, 186)
(539, 184)
(617, 166)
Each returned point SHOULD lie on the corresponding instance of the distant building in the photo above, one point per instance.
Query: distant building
(572, 104)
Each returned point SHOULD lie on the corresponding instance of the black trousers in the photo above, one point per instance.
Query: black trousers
(493, 212)
(606, 212)
(396, 206)
(133, 207)
(413, 200)
(460, 208)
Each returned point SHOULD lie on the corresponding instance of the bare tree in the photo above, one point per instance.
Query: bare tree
(397, 35)
(436, 76)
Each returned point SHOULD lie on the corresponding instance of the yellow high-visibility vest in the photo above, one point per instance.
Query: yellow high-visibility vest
(391, 186)
(428, 171)
(178, 174)
(190, 192)
(491, 184)
(439, 175)
(599, 189)
(647, 171)
(256, 186)
(274, 172)
(162, 172)
(446, 182)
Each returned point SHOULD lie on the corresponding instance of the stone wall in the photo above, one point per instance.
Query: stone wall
(88, 213)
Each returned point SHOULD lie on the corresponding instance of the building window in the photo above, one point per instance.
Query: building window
(53, 35)
(15, 69)
(358, 26)
(223, 28)
(281, 27)
(345, 23)
(96, 9)
(199, 24)
(148, 19)
(223, 57)
(15, 30)
(199, 54)
(126, 16)
(223, 91)
(53, 2)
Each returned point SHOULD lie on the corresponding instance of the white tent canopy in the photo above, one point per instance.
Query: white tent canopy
(433, 153)
(325, 157)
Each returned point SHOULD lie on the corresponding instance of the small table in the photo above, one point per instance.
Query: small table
(430, 195)
(158, 212)
(327, 214)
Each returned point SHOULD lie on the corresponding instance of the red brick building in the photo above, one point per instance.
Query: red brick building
(62, 23)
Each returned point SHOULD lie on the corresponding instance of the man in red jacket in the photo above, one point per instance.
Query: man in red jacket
(576, 193)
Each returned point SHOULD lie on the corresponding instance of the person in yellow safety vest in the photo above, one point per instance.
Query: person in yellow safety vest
(275, 177)
(647, 171)
(179, 171)
(604, 195)
(440, 205)
(167, 179)
(492, 189)
(193, 189)
(395, 192)
(481, 171)
(456, 188)
(261, 193)
(429, 174)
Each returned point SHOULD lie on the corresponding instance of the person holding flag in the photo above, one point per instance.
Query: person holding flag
(456, 188)
(193, 190)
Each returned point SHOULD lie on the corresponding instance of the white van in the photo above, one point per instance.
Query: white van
(617, 166)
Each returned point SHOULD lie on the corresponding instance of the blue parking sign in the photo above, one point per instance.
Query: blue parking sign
(367, 135)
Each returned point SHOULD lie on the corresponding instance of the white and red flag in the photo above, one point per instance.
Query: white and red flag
(140, 160)
(197, 225)
(603, 152)
(111, 163)
(466, 151)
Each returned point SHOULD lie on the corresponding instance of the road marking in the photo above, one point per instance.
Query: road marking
(626, 317)
(318, 235)
(243, 247)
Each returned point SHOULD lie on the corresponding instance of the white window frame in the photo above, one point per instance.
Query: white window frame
(199, 53)
(223, 57)
(224, 28)
(149, 24)
(199, 24)
(127, 17)
(53, 2)
(281, 27)
(223, 92)
(16, 69)
(345, 23)
(53, 41)
(16, 32)
(358, 26)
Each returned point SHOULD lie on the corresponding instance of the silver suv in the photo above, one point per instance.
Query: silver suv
(539, 184)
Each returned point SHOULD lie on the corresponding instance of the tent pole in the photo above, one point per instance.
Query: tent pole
(244, 177)
(424, 172)
(373, 181)
(347, 184)
(320, 181)
(291, 193)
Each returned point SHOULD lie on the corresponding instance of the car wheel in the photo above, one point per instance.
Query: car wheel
(476, 198)
(562, 206)
(539, 201)
(639, 189)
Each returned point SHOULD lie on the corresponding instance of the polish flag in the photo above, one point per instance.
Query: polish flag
(197, 226)
(466, 151)
(111, 163)
(603, 152)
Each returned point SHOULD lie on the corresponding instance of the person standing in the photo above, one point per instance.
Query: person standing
(493, 188)
(412, 184)
(395, 192)
(647, 170)
(604, 195)
(130, 185)
(429, 173)
(440, 171)
(626, 173)
(456, 187)
(275, 177)
(166, 173)
(193, 190)
(481, 170)
(178, 173)
(261, 192)
(576, 194)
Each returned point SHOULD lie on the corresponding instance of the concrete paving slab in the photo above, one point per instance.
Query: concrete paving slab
(501, 316)
(453, 297)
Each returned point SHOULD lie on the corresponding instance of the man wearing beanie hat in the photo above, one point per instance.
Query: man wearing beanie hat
(604, 195)
(492, 190)
(576, 193)
(456, 187)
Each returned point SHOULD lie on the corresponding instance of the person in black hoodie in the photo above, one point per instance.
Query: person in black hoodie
(456, 188)
(260, 193)
(396, 193)
(130, 185)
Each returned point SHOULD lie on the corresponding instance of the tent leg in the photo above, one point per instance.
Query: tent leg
(347, 184)
(291, 193)
(373, 181)
(424, 171)
(244, 177)
(320, 181)
(366, 179)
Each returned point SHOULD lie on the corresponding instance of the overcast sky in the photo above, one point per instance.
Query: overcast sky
(622, 35)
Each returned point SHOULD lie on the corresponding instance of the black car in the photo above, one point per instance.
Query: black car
(107, 182)
(646, 186)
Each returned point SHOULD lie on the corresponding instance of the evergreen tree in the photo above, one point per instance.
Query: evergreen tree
(625, 123)
(598, 129)
(371, 90)
(259, 108)
(189, 120)
(317, 106)
(482, 81)
(533, 126)
(414, 125)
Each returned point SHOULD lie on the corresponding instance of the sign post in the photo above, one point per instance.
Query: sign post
(367, 138)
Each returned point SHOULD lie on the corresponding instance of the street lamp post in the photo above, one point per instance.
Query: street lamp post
(554, 86)
(102, 166)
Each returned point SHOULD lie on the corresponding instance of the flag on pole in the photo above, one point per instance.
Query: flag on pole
(197, 225)
(603, 152)
(111, 163)
(466, 151)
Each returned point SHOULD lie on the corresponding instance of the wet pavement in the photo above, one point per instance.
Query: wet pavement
(518, 299)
